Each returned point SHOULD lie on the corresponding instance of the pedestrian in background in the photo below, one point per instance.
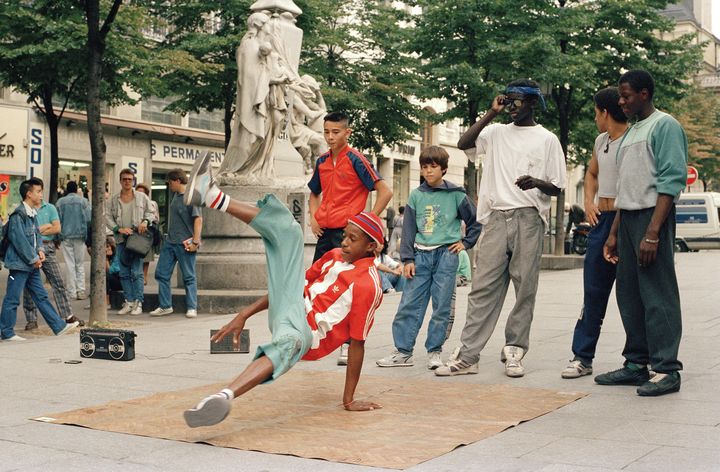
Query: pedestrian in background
(154, 224)
(74, 212)
(25, 256)
(184, 225)
(128, 212)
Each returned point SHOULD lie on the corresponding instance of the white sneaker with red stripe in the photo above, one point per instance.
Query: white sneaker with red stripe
(202, 189)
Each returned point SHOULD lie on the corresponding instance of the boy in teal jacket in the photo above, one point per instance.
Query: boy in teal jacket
(430, 243)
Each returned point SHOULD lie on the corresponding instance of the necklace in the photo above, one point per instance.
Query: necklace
(610, 141)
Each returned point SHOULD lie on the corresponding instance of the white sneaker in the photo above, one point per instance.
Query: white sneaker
(512, 356)
(126, 308)
(211, 410)
(137, 308)
(159, 311)
(575, 369)
(68, 327)
(15, 338)
(456, 366)
(343, 357)
(192, 313)
(201, 180)
(396, 359)
(434, 360)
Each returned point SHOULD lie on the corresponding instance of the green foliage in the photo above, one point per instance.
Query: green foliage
(699, 114)
(207, 80)
(471, 49)
(43, 54)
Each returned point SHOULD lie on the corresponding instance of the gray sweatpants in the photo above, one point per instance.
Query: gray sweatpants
(510, 248)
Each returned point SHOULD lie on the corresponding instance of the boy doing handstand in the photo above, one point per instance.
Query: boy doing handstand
(309, 316)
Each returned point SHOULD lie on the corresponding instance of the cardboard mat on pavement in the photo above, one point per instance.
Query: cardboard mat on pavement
(300, 414)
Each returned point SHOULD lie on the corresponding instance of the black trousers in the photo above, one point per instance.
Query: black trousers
(330, 239)
(648, 297)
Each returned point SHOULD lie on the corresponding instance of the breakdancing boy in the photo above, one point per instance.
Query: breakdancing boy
(309, 317)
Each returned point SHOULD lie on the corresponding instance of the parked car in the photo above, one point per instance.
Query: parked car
(698, 221)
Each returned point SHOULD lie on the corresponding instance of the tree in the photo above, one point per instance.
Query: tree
(207, 81)
(355, 50)
(40, 43)
(699, 114)
(573, 48)
(120, 61)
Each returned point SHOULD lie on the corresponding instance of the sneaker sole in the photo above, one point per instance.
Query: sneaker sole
(656, 393)
(574, 375)
(633, 383)
(395, 365)
(161, 314)
(212, 412)
(515, 375)
(452, 374)
(199, 162)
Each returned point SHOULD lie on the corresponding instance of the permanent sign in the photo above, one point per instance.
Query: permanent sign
(692, 175)
(182, 153)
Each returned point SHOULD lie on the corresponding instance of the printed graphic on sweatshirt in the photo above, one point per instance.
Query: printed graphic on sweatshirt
(431, 218)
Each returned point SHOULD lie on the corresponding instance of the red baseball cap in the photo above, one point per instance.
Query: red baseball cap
(370, 224)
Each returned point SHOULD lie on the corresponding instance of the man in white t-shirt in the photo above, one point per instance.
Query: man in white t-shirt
(524, 166)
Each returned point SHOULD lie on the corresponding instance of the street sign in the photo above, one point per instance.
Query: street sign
(692, 175)
(4, 184)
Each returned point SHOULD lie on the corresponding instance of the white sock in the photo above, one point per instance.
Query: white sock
(228, 393)
(216, 199)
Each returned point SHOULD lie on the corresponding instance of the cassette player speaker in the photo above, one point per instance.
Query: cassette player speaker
(112, 344)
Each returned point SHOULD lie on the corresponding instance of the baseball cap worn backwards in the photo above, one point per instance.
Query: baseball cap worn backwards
(370, 224)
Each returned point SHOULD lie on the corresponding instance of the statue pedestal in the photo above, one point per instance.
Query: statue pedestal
(231, 269)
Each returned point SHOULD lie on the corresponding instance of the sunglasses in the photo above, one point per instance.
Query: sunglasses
(512, 102)
(127, 179)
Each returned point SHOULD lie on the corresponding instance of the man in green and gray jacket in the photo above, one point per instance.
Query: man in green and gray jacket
(652, 160)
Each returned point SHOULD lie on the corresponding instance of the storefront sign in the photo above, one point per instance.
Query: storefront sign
(135, 164)
(181, 153)
(13, 135)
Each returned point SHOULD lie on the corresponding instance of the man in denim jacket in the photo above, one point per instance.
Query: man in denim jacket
(24, 258)
(74, 212)
(129, 211)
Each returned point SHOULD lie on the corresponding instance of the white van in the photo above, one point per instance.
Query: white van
(698, 221)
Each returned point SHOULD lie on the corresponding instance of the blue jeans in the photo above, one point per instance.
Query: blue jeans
(389, 281)
(131, 277)
(434, 278)
(30, 281)
(169, 255)
(598, 279)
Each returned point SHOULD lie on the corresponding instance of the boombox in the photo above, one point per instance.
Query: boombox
(113, 344)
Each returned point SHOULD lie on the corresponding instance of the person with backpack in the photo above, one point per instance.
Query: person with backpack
(24, 257)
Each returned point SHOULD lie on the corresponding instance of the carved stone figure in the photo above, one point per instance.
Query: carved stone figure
(306, 125)
(263, 73)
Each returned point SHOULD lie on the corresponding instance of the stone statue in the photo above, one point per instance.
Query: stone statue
(273, 101)
(260, 109)
(306, 125)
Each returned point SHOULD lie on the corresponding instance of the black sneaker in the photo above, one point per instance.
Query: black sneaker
(660, 384)
(624, 376)
(31, 325)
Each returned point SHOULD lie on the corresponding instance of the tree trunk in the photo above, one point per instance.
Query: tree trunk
(96, 46)
(53, 122)
(563, 102)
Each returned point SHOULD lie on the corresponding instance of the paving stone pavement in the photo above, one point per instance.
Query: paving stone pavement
(611, 429)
